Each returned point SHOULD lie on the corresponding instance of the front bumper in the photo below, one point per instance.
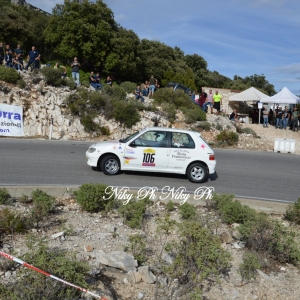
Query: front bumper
(92, 159)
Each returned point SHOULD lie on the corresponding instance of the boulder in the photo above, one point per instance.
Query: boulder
(117, 259)
(146, 275)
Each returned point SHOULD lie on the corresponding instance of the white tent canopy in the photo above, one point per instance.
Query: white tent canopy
(285, 96)
(251, 94)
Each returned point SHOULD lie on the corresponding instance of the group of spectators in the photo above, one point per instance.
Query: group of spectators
(15, 58)
(146, 89)
(214, 101)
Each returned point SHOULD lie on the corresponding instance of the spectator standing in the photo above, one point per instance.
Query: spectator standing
(146, 88)
(209, 102)
(285, 118)
(202, 99)
(152, 82)
(75, 65)
(7, 47)
(98, 79)
(265, 117)
(109, 81)
(217, 102)
(295, 115)
(279, 116)
(34, 56)
(20, 52)
(191, 96)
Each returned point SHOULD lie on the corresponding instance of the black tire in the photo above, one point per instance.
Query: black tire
(197, 173)
(110, 165)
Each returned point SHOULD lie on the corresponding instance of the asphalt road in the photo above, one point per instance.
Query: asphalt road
(248, 174)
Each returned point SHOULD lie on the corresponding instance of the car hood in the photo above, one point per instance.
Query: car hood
(105, 144)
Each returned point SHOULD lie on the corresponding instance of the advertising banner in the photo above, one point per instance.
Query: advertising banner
(11, 120)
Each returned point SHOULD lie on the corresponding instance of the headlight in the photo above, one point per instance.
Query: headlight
(92, 150)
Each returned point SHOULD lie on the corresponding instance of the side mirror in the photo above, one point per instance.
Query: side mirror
(132, 144)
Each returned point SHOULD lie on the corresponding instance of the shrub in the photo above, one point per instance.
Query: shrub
(9, 75)
(292, 213)
(169, 111)
(232, 211)
(11, 222)
(271, 237)
(128, 86)
(55, 261)
(249, 265)
(52, 76)
(25, 199)
(115, 92)
(137, 247)
(170, 206)
(193, 115)
(203, 125)
(88, 123)
(250, 131)
(92, 197)
(198, 256)
(187, 211)
(177, 98)
(4, 196)
(21, 83)
(133, 213)
(85, 83)
(42, 205)
(69, 82)
(228, 137)
(126, 113)
(219, 127)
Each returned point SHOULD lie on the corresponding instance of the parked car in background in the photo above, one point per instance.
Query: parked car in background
(178, 86)
(155, 149)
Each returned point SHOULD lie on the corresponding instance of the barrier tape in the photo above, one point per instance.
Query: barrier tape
(25, 264)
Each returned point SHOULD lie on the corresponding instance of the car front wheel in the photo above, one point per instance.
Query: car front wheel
(197, 173)
(110, 165)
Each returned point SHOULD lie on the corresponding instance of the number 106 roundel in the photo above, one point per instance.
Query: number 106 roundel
(156, 149)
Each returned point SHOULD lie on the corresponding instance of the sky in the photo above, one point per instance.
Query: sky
(235, 37)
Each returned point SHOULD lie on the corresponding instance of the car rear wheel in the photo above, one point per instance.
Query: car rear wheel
(110, 165)
(197, 173)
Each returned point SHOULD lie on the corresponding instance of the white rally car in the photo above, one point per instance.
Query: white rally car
(156, 149)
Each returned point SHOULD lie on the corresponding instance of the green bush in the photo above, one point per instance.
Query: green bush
(115, 92)
(21, 83)
(52, 76)
(137, 246)
(9, 75)
(232, 211)
(42, 205)
(11, 222)
(169, 111)
(126, 113)
(128, 87)
(133, 212)
(94, 197)
(187, 211)
(193, 115)
(25, 199)
(292, 213)
(85, 83)
(177, 98)
(69, 82)
(271, 237)
(249, 265)
(88, 123)
(198, 256)
(219, 127)
(63, 264)
(250, 131)
(228, 137)
(170, 206)
(203, 125)
(4, 196)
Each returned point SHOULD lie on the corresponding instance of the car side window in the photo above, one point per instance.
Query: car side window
(182, 140)
(152, 139)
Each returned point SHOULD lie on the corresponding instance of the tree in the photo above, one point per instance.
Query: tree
(196, 62)
(82, 29)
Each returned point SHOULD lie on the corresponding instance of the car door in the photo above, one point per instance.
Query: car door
(148, 152)
(182, 151)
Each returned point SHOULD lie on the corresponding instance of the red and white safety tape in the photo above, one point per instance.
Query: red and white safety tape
(25, 264)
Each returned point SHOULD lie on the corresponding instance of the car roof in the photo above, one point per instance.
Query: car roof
(169, 129)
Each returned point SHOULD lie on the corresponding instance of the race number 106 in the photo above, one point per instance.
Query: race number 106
(149, 158)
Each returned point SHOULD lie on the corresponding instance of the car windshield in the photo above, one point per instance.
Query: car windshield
(129, 137)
